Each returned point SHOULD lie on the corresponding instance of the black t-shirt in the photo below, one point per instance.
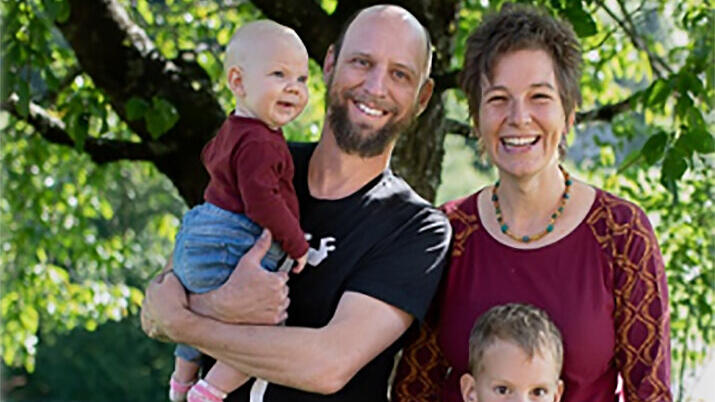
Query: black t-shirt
(383, 241)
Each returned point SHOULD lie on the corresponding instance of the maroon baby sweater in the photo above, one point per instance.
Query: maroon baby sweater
(252, 173)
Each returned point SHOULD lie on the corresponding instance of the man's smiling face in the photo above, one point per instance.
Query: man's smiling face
(374, 85)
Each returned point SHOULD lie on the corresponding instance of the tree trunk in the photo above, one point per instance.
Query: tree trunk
(419, 152)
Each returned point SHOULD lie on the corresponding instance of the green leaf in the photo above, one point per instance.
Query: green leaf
(143, 7)
(682, 108)
(41, 255)
(77, 128)
(658, 93)
(700, 140)
(582, 21)
(52, 8)
(30, 319)
(688, 81)
(161, 117)
(136, 108)
(64, 12)
(695, 118)
(653, 149)
(90, 325)
(674, 165)
(633, 157)
(23, 102)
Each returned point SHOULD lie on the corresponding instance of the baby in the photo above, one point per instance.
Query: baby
(251, 186)
(515, 354)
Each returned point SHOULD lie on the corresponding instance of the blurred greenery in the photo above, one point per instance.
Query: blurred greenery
(80, 238)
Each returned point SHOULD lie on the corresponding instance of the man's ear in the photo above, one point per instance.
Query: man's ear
(235, 81)
(425, 94)
(329, 62)
(468, 387)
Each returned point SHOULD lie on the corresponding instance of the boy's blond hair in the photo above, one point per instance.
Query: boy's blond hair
(524, 325)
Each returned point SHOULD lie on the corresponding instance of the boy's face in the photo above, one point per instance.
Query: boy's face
(274, 82)
(507, 374)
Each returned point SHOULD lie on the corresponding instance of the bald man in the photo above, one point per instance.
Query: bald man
(377, 248)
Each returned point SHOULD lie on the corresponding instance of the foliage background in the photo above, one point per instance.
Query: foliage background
(81, 235)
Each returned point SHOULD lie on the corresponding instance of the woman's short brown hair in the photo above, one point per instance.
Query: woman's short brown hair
(519, 27)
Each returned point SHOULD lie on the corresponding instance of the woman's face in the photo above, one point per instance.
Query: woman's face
(521, 117)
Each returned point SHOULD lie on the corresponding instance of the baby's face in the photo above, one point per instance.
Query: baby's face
(275, 82)
(507, 374)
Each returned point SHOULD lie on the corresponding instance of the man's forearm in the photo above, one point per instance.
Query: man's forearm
(320, 360)
(296, 357)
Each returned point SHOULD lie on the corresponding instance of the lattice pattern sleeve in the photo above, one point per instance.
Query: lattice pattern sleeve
(423, 369)
(641, 297)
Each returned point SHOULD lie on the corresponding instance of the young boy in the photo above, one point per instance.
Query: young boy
(515, 354)
(251, 185)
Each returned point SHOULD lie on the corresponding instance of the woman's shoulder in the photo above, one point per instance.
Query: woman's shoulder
(460, 206)
(620, 226)
(616, 211)
(463, 215)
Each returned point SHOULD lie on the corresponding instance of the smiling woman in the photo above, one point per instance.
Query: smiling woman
(586, 257)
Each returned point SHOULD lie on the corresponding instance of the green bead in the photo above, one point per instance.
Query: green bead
(525, 239)
(495, 197)
(550, 228)
(554, 216)
(561, 209)
(568, 182)
(504, 228)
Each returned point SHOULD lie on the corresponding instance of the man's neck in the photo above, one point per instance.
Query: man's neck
(334, 174)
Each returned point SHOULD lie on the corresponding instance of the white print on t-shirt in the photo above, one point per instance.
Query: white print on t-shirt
(315, 257)
(258, 390)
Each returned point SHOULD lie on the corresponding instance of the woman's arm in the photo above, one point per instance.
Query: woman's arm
(641, 318)
(422, 370)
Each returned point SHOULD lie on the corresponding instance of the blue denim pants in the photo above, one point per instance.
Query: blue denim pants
(208, 246)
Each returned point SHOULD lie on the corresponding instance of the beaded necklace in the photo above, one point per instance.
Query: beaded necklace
(549, 228)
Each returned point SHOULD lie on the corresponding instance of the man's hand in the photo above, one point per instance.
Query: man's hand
(164, 302)
(251, 295)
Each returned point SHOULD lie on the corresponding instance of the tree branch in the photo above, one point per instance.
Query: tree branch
(100, 150)
(629, 28)
(122, 60)
(453, 126)
(607, 112)
(447, 80)
(315, 27)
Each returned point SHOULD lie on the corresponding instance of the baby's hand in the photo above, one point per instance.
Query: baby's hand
(300, 263)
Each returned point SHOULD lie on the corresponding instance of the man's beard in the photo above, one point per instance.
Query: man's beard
(358, 139)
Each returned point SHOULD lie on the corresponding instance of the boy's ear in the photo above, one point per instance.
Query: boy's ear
(469, 388)
(559, 391)
(235, 81)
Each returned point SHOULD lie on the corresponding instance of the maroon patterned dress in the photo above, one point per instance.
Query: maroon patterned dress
(603, 285)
